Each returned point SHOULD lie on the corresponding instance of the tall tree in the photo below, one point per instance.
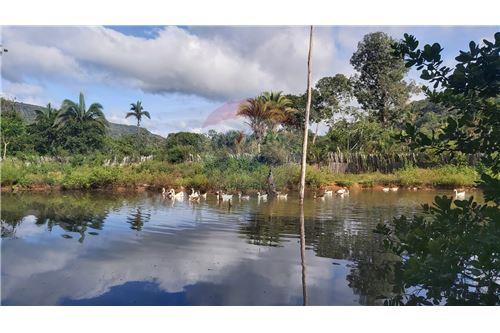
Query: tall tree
(78, 112)
(379, 87)
(306, 121)
(42, 131)
(12, 131)
(137, 111)
(279, 108)
(330, 96)
(256, 110)
(80, 130)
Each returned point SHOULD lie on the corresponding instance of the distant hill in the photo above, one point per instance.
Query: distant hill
(27, 111)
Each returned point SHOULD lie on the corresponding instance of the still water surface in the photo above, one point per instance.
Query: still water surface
(140, 249)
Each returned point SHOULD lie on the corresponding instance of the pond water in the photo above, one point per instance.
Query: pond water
(141, 249)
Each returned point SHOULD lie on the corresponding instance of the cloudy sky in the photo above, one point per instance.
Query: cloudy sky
(185, 74)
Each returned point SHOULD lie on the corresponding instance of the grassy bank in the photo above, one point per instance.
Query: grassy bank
(227, 174)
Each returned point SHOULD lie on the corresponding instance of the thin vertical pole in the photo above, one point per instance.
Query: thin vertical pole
(306, 122)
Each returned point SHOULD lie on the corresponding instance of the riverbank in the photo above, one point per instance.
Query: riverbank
(229, 175)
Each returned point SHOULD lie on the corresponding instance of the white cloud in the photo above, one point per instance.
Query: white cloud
(25, 92)
(219, 63)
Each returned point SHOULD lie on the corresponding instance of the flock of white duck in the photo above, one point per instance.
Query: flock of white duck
(196, 196)
(458, 194)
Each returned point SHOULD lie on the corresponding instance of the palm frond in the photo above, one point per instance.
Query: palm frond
(81, 104)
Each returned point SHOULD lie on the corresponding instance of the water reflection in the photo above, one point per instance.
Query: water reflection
(93, 248)
(303, 254)
(137, 218)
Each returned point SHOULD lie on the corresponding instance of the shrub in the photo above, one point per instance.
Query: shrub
(12, 172)
(344, 183)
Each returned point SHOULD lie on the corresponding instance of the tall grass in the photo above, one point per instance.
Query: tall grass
(224, 173)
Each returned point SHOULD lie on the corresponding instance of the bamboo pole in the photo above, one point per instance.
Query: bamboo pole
(306, 122)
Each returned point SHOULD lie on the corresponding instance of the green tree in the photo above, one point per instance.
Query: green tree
(137, 111)
(47, 114)
(42, 132)
(331, 96)
(80, 130)
(335, 92)
(279, 108)
(77, 111)
(13, 131)
(256, 110)
(379, 87)
(265, 113)
(184, 146)
(451, 253)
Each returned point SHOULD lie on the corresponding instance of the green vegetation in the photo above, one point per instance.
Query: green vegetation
(76, 147)
(230, 174)
(450, 253)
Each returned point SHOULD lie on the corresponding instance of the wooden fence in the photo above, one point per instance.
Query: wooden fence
(339, 162)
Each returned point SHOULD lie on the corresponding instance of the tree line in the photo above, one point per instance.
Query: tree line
(364, 113)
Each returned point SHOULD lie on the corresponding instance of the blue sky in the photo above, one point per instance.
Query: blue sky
(183, 74)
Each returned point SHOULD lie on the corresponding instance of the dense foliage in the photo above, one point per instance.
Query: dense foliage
(451, 253)
(379, 86)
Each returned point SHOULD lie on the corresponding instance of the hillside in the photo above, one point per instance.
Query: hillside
(27, 111)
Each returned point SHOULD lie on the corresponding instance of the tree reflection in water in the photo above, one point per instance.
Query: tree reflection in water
(138, 218)
(340, 237)
(344, 232)
(75, 213)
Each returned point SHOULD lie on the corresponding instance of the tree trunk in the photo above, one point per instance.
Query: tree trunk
(138, 136)
(5, 150)
(306, 122)
(315, 134)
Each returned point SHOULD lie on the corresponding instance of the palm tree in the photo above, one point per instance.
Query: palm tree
(77, 111)
(279, 108)
(256, 110)
(137, 111)
(47, 114)
(265, 112)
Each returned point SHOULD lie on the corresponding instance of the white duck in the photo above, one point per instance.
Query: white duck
(280, 195)
(179, 195)
(328, 192)
(394, 189)
(194, 196)
(243, 197)
(343, 190)
(261, 196)
(459, 195)
(224, 197)
(386, 189)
